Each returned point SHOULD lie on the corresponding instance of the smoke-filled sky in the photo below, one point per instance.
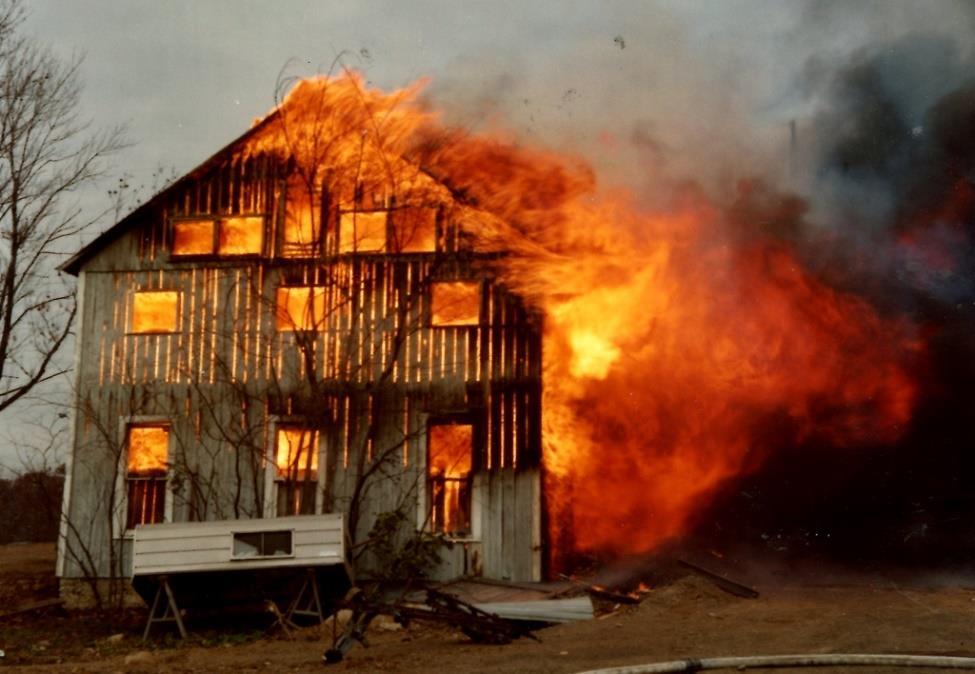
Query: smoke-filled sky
(652, 93)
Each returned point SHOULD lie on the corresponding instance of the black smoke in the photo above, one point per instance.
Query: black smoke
(888, 213)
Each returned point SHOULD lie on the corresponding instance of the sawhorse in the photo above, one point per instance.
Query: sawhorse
(164, 609)
(308, 603)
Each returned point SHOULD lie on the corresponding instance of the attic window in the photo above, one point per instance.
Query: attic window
(193, 237)
(234, 235)
(242, 235)
(251, 544)
(155, 312)
(449, 477)
(455, 303)
(302, 224)
(362, 231)
(414, 230)
(300, 308)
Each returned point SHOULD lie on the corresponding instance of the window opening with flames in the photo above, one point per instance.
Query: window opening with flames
(155, 312)
(300, 308)
(147, 449)
(296, 470)
(455, 303)
(234, 235)
(414, 230)
(302, 232)
(363, 231)
(449, 462)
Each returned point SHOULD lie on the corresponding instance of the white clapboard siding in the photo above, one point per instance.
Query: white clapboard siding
(182, 547)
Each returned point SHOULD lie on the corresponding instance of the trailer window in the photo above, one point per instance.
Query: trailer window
(262, 544)
(147, 449)
(449, 477)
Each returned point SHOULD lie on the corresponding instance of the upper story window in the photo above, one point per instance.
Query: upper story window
(362, 231)
(231, 235)
(300, 308)
(414, 230)
(455, 303)
(155, 312)
(147, 450)
(301, 235)
(403, 230)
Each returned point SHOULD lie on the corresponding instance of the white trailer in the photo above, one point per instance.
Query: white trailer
(230, 562)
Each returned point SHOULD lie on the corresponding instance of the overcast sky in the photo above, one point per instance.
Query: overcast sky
(713, 84)
(706, 78)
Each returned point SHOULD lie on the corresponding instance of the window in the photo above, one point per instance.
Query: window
(301, 308)
(232, 235)
(193, 237)
(296, 470)
(155, 312)
(449, 450)
(262, 544)
(302, 224)
(241, 236)
(147, 448)
(362, 231)
(455, 303)
(414, 230)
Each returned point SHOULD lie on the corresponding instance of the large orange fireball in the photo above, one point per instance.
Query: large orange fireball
(670, 346)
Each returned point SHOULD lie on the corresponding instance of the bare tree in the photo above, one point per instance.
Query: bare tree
(47, 153)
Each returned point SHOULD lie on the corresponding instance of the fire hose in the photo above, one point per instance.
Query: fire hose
(816, 660)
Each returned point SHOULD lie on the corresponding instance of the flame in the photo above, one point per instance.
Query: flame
(300, 308)
(148, 447)
(670, 349)
(155, 311)
(455, 303)
(449, 456)
(295, 454)
(193, 237)
(676, 355)
(241, 236)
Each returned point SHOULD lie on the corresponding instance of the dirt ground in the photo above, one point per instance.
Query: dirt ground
(689, 618)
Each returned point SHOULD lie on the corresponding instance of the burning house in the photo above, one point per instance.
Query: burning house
(342, 312)
(301, 325)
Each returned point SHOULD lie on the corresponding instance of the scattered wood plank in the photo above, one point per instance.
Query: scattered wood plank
(31, 607)
(721, 582)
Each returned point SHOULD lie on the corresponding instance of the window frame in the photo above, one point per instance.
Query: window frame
(311, 290)
(120, 515)
(234, 557)
(473, 505)
(353, 213)
(398, 220)
(177, 328)
(271, 468)
(478, 285)
(218, 223)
